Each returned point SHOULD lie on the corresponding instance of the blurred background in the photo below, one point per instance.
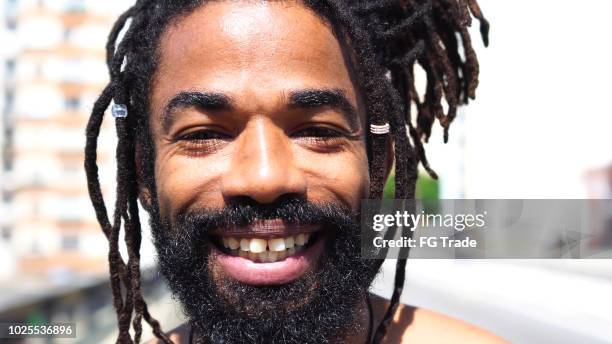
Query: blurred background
(540, 128)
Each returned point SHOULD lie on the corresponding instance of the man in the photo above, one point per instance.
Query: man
(250, 131)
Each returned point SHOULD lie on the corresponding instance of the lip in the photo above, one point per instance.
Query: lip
(266, 229)
(260, 274)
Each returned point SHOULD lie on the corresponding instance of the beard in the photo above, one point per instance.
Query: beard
(319, 307)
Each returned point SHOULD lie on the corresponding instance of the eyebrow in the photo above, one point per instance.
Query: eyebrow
(306, 99)
(334, 98)
(199, 100)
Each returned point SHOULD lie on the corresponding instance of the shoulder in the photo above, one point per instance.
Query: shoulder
(418, 325)
(178, 335)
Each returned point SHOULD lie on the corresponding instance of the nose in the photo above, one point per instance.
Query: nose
(262, 167)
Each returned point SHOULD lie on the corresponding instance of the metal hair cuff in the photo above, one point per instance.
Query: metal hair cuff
(380, 129)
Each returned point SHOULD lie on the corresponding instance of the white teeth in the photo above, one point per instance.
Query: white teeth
(258, 245)
(289, 242)
(245, 244)
(266, 251)
(300, 239)
(233, 243)
(276, 245)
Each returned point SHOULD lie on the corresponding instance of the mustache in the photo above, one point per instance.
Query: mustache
(290, 210)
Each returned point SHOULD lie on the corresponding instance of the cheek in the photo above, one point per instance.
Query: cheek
(183, 181)
(343, 177)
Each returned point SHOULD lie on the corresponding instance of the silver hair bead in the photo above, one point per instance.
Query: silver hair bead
(119, 111)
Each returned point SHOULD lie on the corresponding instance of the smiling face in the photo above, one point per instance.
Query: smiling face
(258, 128)
(248, 105)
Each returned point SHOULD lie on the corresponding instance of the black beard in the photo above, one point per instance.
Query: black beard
(319, 307)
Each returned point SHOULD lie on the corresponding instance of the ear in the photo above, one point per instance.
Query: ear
(144, 194)
(390, 160)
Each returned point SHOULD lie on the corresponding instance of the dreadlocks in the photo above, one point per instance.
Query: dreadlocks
(388, 39)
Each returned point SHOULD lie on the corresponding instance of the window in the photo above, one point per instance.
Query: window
(70, 242)
(11, 24)
(6, 233)
(10, 68)
(67, 34)
(7, 197)
(72, 103)
(9, 96)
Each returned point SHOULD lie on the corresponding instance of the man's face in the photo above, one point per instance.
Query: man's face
(260, 160)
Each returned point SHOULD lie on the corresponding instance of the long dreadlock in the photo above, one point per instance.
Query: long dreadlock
(391, 38)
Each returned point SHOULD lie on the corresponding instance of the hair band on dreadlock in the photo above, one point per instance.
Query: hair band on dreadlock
(380, 129)
(119, 111)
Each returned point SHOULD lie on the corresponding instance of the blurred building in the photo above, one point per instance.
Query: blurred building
(7, 268)
(52, 253)
(53, 70)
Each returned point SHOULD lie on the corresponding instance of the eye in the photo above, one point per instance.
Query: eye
(204, 135)
(203, 141)
(323, 139)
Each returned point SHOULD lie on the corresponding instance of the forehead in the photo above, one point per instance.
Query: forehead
(253, 48)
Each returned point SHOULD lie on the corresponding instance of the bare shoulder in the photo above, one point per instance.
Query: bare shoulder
(418, 325)
(178, 335)
(432, 327)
